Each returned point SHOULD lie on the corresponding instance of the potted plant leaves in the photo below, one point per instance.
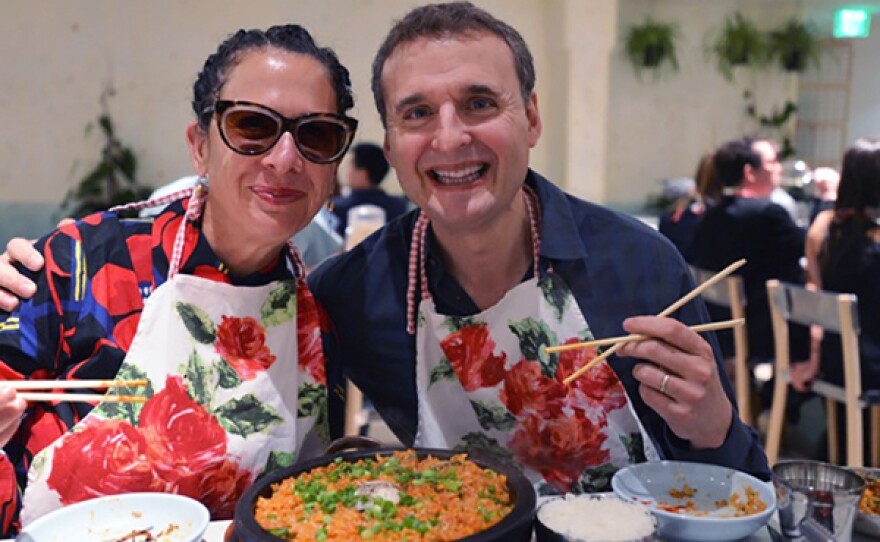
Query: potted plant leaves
(651, 44)
(795, 45)
(112, 180)
(739, 43)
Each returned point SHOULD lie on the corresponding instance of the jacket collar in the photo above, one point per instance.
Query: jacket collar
(560, 236)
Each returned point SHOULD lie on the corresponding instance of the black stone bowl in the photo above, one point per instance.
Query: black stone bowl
(515, 527)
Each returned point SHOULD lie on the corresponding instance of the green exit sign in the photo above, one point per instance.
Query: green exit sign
(852, 23)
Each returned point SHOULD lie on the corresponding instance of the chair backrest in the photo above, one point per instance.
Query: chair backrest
(835, 312)
(730, 293)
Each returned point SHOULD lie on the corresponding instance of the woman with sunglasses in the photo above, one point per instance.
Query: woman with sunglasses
(205, 305)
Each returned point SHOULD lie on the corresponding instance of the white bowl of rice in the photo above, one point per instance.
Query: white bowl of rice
(594, 518)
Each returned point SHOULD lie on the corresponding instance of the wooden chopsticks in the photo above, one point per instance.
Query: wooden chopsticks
(666, 312)
(712, 326)
(23, 385)
(83, 397)
(73, 384)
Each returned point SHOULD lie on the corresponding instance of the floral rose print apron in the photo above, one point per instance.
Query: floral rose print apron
(236, 387)
(485, 383)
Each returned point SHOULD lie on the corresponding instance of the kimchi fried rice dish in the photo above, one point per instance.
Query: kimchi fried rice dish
(387, 498)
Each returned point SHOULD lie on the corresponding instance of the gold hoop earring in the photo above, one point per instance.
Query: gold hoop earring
(330, 204)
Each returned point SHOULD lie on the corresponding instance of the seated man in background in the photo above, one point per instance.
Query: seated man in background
(747, 224)
(367, 170)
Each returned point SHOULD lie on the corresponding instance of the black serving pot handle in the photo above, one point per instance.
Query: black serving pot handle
(352, 443)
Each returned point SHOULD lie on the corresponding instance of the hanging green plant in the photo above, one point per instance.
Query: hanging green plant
(112, 180)
(795, 45)
(775, 121)
(651, 45)
(738, 43)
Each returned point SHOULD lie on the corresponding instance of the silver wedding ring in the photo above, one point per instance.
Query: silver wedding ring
(664, 385)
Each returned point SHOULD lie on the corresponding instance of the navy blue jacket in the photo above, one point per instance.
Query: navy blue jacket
(615, 266)
(765, 235)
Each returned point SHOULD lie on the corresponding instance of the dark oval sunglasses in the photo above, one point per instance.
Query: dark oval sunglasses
(251, 128)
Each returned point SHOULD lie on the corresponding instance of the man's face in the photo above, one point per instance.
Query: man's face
(458, 132)
(769, 174)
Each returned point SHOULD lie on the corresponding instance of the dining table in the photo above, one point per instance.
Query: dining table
(770, 533)
(217, 530)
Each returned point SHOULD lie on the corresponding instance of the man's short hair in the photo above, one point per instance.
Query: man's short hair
(370, 157)
(731, 159)
(451, 19)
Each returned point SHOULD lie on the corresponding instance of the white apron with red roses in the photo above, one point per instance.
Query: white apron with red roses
(236, 387)
(485, 383)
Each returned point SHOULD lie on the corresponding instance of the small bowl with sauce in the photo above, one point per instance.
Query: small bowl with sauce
(698, 502)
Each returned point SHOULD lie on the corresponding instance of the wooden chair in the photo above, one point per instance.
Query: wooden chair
(730, 294)
(356, 416)
(837, 313)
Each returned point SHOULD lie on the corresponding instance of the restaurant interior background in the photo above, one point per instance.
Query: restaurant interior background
(609, 135)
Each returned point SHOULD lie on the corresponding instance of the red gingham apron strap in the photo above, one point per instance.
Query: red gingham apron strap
(155, 202)
(531, 200)
(193, 212)
(416, 250)
(299, 268)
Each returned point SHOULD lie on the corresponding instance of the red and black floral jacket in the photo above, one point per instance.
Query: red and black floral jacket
(81, 321)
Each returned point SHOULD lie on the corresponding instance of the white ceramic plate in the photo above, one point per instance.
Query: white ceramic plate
(107, 518)
(650, 484)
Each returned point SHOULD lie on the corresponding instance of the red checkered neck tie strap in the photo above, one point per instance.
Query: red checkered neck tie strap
(193, 212)
(299, 268)
(161, 201)
(417, 270)
(416, 251)
(531, 200)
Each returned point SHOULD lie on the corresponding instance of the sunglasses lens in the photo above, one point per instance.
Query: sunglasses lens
(250, 131)
(321, 140)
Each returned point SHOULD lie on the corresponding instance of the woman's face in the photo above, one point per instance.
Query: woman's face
(264, 199)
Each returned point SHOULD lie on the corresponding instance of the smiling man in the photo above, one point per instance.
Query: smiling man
(441, 317)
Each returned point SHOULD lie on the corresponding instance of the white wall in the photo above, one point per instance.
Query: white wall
(586, 34)
(661, 126)
(57, 57)
(864, 114)
(608, 136)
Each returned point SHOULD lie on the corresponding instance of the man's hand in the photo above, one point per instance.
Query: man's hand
(681, 382)
(11, 409)
(12, 283)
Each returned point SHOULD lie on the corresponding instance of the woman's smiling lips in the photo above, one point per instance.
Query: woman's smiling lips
(277, 195)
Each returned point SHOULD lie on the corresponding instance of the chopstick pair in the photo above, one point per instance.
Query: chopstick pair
(711, 326)
(20, 385)
(666, 312)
